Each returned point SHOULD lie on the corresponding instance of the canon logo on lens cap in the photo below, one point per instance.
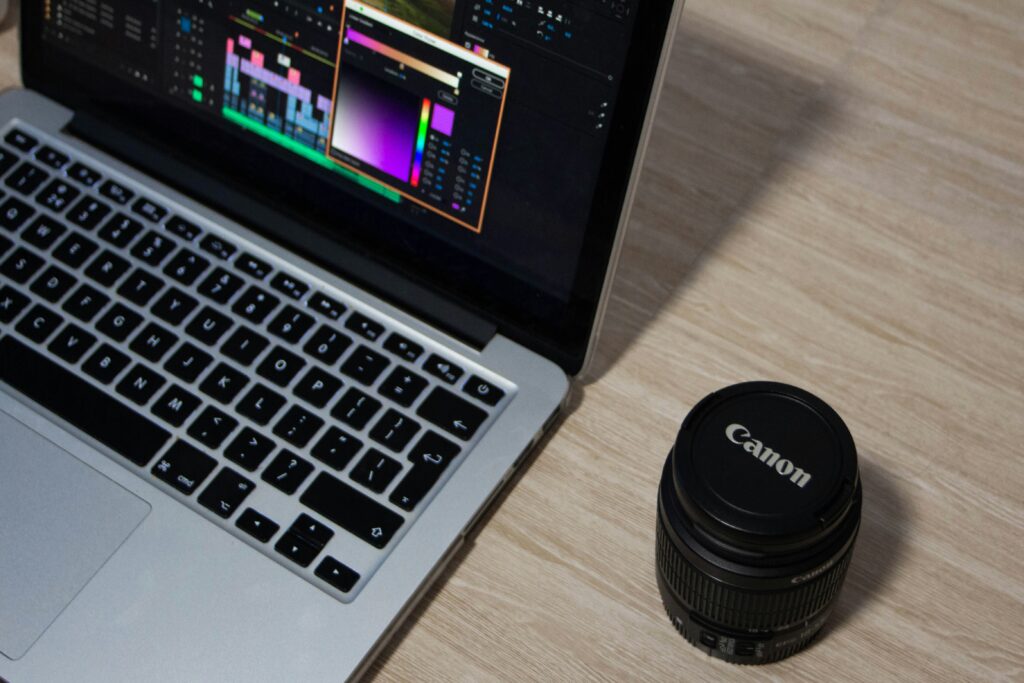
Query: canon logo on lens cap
(766, 455)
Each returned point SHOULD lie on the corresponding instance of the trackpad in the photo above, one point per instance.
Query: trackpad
(60, 520)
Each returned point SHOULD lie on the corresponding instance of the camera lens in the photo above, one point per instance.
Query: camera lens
(758, 510)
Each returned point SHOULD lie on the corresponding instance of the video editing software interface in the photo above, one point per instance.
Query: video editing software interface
(484, 121)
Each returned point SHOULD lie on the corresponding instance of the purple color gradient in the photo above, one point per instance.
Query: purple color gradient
(443, 120)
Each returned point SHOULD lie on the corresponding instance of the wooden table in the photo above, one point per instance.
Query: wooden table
(834, 198)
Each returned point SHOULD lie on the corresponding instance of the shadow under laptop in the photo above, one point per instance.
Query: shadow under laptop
(729, 114)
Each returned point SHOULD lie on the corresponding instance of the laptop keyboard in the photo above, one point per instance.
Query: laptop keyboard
(277, 407)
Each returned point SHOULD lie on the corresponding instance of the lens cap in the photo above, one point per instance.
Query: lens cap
(764, 464)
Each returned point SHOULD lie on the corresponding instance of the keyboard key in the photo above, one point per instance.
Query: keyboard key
(280, 366)
(21, 265)
(255, 304)
(186, 266)
(153, 342)
(289, 286)
(188, 362)
(355, 512)
(116, 192)
(119, 322)
(7, 160)
(153, 248)
(61, 391)
(249, 449)
(184, 467)
(83, 174)
(20, 140)
(483, 391)
(5, 245)
(105, 364)
(14, 213)
(72, 343)
(209, 326)
(12, 302)
(287, 472)
(326, 345)
(403, 348)
(75, 250)
(174, 306)
(149, 210)
(336, 448)
(226, 493)
(244, 345)
(451, 413)
(175, 406)
(51, 157)
(220, 286)
(442, 369)
(365, 365)
(256, 525)
(53, 284)
(39, 323)
(85, 302)
(120, 231)
(355, 408)
(212, 427)
(57, 195)
(140, 287)
(88, 213)
(338, 575)
(252, 266)
(183, 229)
(430, 457)
(217, 246)
(140, 384)
(298, 426)
(325, 305)
(394, 430)
(43, 232)
(312, 531)
(27, 178)
(260, 404)
(107, 268)
(296, 549)
(375, 471)
(223, 383)
(403, 386)
(317, 387)
(290, 324)
(360, 324)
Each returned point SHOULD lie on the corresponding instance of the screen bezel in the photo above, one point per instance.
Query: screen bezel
(558, 330)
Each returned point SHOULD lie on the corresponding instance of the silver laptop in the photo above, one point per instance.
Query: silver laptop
(288, 289)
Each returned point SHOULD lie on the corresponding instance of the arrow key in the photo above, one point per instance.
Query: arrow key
(337, 574)
(296, 549)
(256, 525)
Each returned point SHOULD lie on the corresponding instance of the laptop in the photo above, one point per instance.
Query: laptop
(288, 289)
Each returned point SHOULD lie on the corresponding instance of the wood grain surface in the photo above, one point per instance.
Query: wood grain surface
(834, 197)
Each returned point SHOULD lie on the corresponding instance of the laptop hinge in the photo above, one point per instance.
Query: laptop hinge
(399, 290)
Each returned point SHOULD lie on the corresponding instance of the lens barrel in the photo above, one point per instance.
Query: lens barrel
(758, 511)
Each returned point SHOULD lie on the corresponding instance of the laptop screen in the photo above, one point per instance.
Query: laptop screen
(473, 134)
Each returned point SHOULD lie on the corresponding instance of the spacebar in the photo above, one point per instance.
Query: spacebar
(94, 412)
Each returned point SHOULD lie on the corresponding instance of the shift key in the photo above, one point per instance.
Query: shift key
(351, 510)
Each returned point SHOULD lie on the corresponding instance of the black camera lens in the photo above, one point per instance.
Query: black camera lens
(758, 510)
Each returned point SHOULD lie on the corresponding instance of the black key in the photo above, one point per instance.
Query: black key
(226, 492)
(360, 324)
(451, 413)
(315, 532)
(217, 246)
(249, 449)
(296, 549)
(119, 322)
(188, 362)
(72, 343)
(252, 266)
(183, 229)
(353, 511)
(83, 174)
(365, 365)
(140, 384)
(298, 426)
(7, 160)
(27, 178)
(212, 427)
(255, 304)
(88, 213)
(337, 574)
(184, 467)
(483, 391)
(14, 213)
(442, 369)
(290, 324)
(403, 386)
(61, 391)
(327, 345)
(75, 249)
(336, 448)
(287, 471)
(220, 285)
(375, 471)
(244, 345)
(51, 157)
(394, 430)
(57, 195)
(153, 342)
(116, 192)
(12, 302)
(21, 265)
(430, 457)
(53, 284)
(140, 287)
(280, 366)
(325, 305)
(260, 404)
(106, 364)
(5, 244)
(85, 303)
(175, 406)
(317, 387)
(174, 306)
(209, 326)
(355, 408)
(403, 348)
(39, 323)
(223, 383)
(107, 268)
(43, 232)
(120, 231)
(256, 525)
(289, 286)
(186, 266)
(149, 210)
(153, 248)
(20, 140)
